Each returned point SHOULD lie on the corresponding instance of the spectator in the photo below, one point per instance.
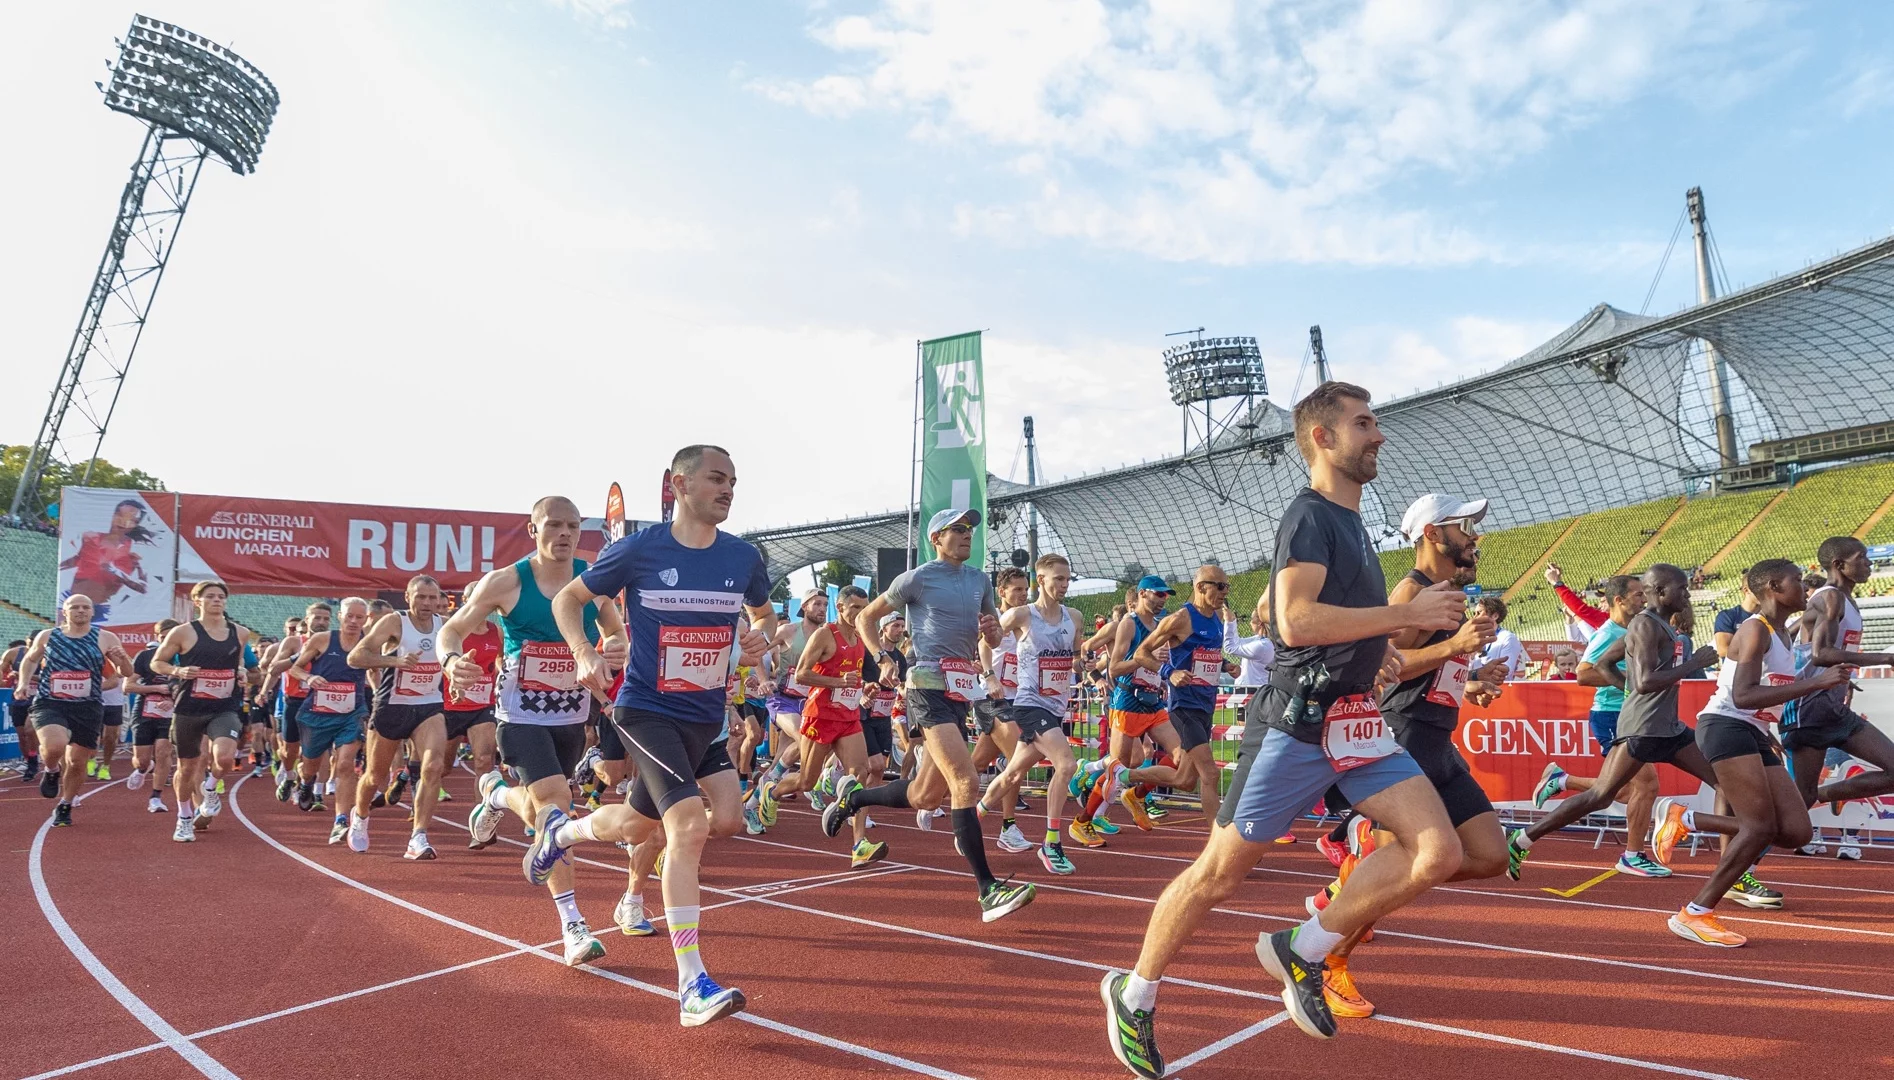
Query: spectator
(1505, 648)
(1576, 609)
(1564, 664)
(1729, 619)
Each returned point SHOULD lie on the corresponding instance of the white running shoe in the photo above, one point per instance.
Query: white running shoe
(329, 788)
(1848, 850)
(184, 833)
(213, 805)
(867, 822)
(358, 833)
(1813, 847)
(581, 946)
(630, 917)
(156, 805)
(940, 811)
(1011, 839)
(924, 820)
(419, 850)
(136, 781)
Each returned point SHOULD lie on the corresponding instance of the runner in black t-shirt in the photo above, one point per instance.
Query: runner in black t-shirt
(1316, 724)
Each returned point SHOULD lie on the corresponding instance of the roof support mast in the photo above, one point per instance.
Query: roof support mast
(1712, 360)
(1032, 512)
(1319, 355)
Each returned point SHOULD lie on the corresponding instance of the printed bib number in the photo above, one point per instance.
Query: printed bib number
(1450, 683)
(334, 699)
(1009, 671)
(693, 658)
(70, 685)
(480, 693)
(1055, 675)
(792, 688)
(1146, 679)
(1773, 714)
(883, 703)
(1206, 667)
(157, 707)
(963, 679)
(421, 680)
(547, 666)
(1355, 734)
(214, 684)
(848, 697)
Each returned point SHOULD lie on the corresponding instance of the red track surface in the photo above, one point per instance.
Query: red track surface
(326, 963)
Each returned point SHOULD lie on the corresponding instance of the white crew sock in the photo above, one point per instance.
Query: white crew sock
(1312, 942)
(1138, 993)
(1523, 841)
(568, 906)
(573, 832)
(496, 797)
(1690, 821)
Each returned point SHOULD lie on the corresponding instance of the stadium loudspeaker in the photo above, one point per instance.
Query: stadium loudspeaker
(890, 563)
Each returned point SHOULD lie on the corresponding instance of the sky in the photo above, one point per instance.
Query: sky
(498, 250)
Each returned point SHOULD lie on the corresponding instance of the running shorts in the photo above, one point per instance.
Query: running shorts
(829, 728)
(1658, 749)
(610, 746)
(932, 708)
(84, 719)
(461, 722)
(1604, 728)
(1724, 737)
(18, 709)
(1824, 736)
(1440, 761)
(1193, 727)
(987, 712)
(188, 731)
(1136, 724)
(400, 722)
(323, 732)
(1278, 776)
(148, 732)
(671, 756)
(878, 735)
(286, 723)
(1034, 721)
(539, 751)
(112, 715)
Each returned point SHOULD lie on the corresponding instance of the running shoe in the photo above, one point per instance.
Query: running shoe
(1131, 1032)
(358, 833)
(1670, 829)
(1848, 849)
(1104, 824)
(32, 769)
(220, 790)
(1085, 834)
(49, 784)
(1360, 837)
(213, 805)
(92, 768)
(1752, 893)
(1301, 983)
(1318, 902)
(1079, 787)
(1849, 773)
(1813, 847)
(397, 789)
(378, 800)
(544, 852)
(419, 850)
(305, 798)
(285, 786)
(202, 821)
(1339, 990)
(156, 805)
(924, 820)
(1286, 838)
(1551, 782)
(751, 823)
(818, 802)
(1011, 839)
(825, 787)
(483, 822)
(582, 772)
(105, 772)
(841, 809)
(259, 770)
(703, 1001)
(1020, 805)
(866, 853)
(184, 834)
(1331, 850)
(630, 917)
(1130, 801)
(766, 804)
(1638, 864)
(62, 815)
(136, 781)
(1052, 857)
(1515, 855)
(1704, 930)
(581, 946)
(339, 831)
(1002, 898)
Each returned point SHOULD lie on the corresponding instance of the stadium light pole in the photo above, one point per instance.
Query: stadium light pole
(1320, 355)
(1712, 360)
(197, 99)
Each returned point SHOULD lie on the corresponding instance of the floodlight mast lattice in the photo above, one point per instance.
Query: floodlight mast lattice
(1216, 382)
(197, 99)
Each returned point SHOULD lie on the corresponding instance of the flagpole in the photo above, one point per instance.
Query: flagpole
(914, 457)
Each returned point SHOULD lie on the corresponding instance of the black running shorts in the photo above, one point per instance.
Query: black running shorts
(461, 722)
(932, 708)
(1440, 761)
(148, 732)
(1806, 736)
(1658, 749)
(1724, 737)
(1034, 721)
(538, 751)
(1192, 727)
(878, 734)
(111, 715)
(400, 722)
(83, 719)
(188, 731)
(671, 756)
(610, 746)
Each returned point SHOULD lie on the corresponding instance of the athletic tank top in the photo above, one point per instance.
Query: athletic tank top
(1778, 669)
(72, 667)
(153, 706)
(1647, 715)
(837, 702)
(112, 691)
(1006, 666)
(1433, 698)
(539, 678)
(345, 688)
(1047, 661)
(217, 686)
(1824, 706)
(791, 691)
(420, 684)
(1143, 689)
(1200, 654)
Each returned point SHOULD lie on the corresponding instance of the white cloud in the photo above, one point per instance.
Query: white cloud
(609, 14)
(1400, 362)
(1237, 133)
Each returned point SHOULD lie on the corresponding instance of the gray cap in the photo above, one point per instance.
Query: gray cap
(951, 516)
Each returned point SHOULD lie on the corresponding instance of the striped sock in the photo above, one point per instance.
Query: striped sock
(1052, 830)
(683, 924)
(568, 906)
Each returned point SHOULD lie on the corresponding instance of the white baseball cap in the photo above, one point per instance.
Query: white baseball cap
(1434, 508)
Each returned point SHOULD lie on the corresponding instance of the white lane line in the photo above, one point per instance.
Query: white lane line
(1225, 1043)
(602, 973)
(133, 1004)
(234, 1025)
(1554, 1048)
(1771, 880)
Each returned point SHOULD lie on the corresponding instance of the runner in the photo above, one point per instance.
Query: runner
(1757, 678)
(883, 678)
(470, 714)
(293, 694)
(1187, 650)
(204, 661)
(66, 665)
(331, 718)
(1811, 727)
(996, 736)
(1136, 710)
(952, 608)
(152, 709)
(112, 708)
(1048, 637)
(412, 712)
(18, 700)
(541, 705)
(1649, 731)
(685, 583)
(785, 705)
(1315, 726)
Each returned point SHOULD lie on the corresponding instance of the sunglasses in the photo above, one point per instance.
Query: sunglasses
(1220, 586)
(962, 529)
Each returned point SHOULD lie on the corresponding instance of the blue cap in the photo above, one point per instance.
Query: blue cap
(1155, 583)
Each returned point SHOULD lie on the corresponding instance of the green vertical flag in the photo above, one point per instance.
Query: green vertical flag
(953, 436)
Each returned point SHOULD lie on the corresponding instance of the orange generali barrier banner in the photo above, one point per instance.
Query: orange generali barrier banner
(1510, 742)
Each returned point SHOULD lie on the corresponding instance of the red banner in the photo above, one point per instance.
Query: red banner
(1509, 742)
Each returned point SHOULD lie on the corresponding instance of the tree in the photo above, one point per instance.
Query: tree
(55, 474)
(837, 573)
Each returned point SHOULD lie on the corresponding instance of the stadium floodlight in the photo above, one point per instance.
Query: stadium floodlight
(197, 99)
(1210, 369)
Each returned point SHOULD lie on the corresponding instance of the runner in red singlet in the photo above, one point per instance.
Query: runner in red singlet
(470, 713)
(316, 620)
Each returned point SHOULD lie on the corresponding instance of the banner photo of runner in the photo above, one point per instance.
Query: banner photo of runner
(953, 435)
(118, 548)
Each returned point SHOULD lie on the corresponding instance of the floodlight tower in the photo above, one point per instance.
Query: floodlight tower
(1217, 382)
(197, 99)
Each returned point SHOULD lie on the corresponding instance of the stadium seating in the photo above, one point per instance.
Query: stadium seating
(266, 613)
(1830, 503)
(1706, 525)
(28, 564)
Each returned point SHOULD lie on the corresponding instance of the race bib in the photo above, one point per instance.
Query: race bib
(1676, 652)
(1055, 675)
(294, 687)
(547, 666)
(421, 680)
(1355, 734)
(848, 697)
(693, 658)
(1146, 678)
(1450, 683)
(792, 688)
(332, 699)
(70, 685)
(480, 693)
(1009, 671)
(963, 679)
(213, 684)
(882, 704)
(157, 707)
(1206, 667)
(1773, 714)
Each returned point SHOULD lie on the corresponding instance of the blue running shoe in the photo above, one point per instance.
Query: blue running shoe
(1103, 826)
(703, 1001)
(1551, 782)
(544, 852)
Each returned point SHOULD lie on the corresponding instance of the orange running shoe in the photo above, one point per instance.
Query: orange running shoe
(1361, 837)
(1286, 838)
(1670, 828)
(1339, 989)
(1085, 834)
(1139, 816)
(1704, 930)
